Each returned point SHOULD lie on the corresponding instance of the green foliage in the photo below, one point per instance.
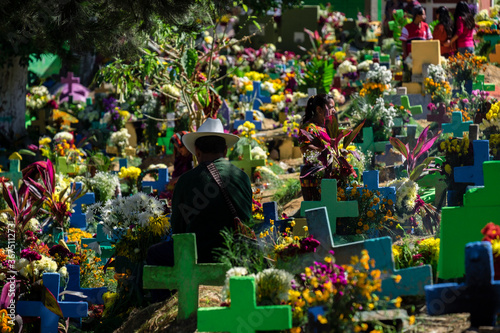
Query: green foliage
(318, 74)
(484, 48)
(289, 191)
(260, 7)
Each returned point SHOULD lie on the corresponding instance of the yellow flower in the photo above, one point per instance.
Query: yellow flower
(397, 278)
(397, 302)
(411, 320)
(322, 319)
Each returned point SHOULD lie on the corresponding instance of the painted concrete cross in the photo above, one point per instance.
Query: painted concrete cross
(49, 320)
(257, 96)
(271, 213)
(329, 200)
(478, 83)
(247, 163)
(389, 157)
(41, 121)
(369, 144)
(243, 315)
(165, 141)
(159, 184)
(62, 166)
(413, 279)
(186, 276)
(474, 173)
(410, 138)
(77, 219)
(94, 295)
(440, 116)
(416, 109)
(74, 91)
(457, 126)
(101, 244)
(371, 181)
(14, 173)
(461, 225)
(479, 295)
(248, 117)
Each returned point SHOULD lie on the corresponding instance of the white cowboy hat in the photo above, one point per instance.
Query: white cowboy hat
(211, 127)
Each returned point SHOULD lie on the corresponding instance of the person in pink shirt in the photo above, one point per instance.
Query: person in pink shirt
(464, 29)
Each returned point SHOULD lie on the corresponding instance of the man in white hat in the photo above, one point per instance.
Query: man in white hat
(198, 205)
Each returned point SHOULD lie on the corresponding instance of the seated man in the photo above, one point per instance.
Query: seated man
(198, 205)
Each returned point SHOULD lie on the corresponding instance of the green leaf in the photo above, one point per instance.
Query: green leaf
(50, 302)
(257, 25)
(189, 60)
(27, 152)
(203, 97)
(245, 7)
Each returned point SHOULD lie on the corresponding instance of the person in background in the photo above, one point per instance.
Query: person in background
(464, 29)
(444, 30)
(316, 142)
(390, 7)
(410, 5)
(416, 30)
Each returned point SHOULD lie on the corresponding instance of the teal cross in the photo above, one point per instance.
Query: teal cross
(247, 163)
(243, 315)
(405, 102)
(14, 173)
(457, 126)
(329, 200)
(186, 276)
(369, 144)
(101, 244)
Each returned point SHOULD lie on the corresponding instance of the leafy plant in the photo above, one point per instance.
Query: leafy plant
(318, 74)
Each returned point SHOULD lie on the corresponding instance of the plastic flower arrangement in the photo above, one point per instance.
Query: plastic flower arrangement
(464, 67)
(417, 253)
(341, 290)
(376, 215)
(491, 125)
(491, 234)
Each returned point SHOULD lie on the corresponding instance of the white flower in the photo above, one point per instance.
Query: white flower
(59, 137)
(63, 271)
(258, 153)
(346, 67)
(2, 276)
(120, 138)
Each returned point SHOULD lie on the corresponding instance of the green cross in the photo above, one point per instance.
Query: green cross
(186, 276)
(247, 163)
(14, 173)
(405, 102)
(102, 241)
(243, 315)
(165, 141)
(329, 200)
(369, 144)
(64, 167)
(479, 84)
(461, 225)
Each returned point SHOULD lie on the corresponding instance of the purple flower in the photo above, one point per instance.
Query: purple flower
(431, 107)
(30, 255)
(465, 100)
(475, 92)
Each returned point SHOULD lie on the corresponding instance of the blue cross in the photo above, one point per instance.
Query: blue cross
(479, 295)
(122, 163)
(49, 320)
(257, 96)
(159, 184)
(77, 219)
(248, 117)
(94, 295)
(371, 181)
(103, 247)
(457, 127)
(474, 173)
(271, 213)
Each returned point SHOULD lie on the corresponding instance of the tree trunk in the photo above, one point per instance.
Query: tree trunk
(13, 78)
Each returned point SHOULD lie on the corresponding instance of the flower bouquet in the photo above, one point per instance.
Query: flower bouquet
(465, 67)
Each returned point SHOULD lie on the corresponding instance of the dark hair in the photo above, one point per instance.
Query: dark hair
(462, 10)
(417, 10)
(211, 144)
(445, 20)
(318, 100)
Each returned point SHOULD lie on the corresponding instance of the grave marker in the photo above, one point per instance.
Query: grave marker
(77, 219)
(329, 200)
(248, 117)
(271, 213)
(165, 141)
(303, 101)
(41, 121)
(425, 52)
(247, 163)
(413, 279)
(186, 276)
(161, 183)
(14, 173)
(410, 138)
(478, 83)
(62, 166)
(244, 312)
(389, 157)
(101, 244)
(461, 225)
(371, 182)
(368, 143)
(473, 132)
(73, 91)
(94, 295)
(49, 320)
(256, 96)
(405, 102)
(437, 181)
(457, 126)
(474, 173)
(439, 117)
(495, 57)
(479, 295)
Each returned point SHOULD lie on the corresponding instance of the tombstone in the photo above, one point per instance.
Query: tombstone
(130, 151)
(389, 157)
(49, 320)
(405, 102)
(368, 143)
(474, 173)
(244, 312)
(495, 57)
(129, 126)
(413, 279)
(479, 294)
(14, 173)
(77, 219)
(71, 90)
(62, 166)
(371, 182)
(473, 132)
(425, 52)
(457, 126)
(410, 138)
(247, 163)
(186, 275)
(161, 183)
(101, 245)
(293, 22)
(329, 200)
(461, 225)
(401, 91)
(478, 83)
(248, 117)
(439, 117)
(94, 295)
